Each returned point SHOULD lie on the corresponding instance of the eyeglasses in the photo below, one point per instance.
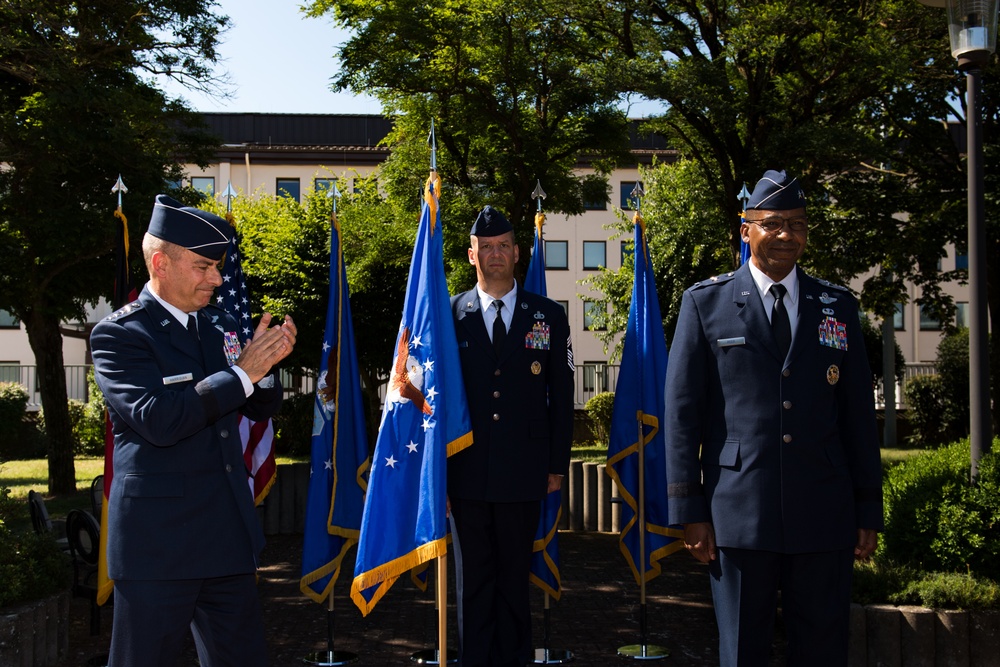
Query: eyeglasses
(775, 223)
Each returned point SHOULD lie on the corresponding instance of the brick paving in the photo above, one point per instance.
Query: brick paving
(597, 614)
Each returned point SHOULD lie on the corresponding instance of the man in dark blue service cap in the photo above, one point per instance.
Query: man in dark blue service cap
(517, 366)
(772, 449)
(183, 537)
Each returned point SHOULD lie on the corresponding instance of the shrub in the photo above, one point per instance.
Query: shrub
(953, 368)
(936, 521)
(31, 565)
(293, 426)
(20, 439)
(924, 408)
(877, 583)
(89, 427)
(599, 410)
(950, 590)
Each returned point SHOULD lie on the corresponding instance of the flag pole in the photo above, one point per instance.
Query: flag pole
(642, 650)
(330, 657)
(442, 597)
(545, 655)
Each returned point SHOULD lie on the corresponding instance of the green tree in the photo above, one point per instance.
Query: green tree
(852, 97)
(78, 107)
(519, 93)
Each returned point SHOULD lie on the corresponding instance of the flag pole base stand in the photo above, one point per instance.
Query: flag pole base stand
(431, 656)
(330, 658)
(552, 656)
(643, 652)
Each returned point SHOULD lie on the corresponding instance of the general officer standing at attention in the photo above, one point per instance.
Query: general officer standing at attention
(772, 450)
(517, 363)
(183, 537)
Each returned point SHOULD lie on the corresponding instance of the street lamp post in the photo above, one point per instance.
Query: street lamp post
(972, 29)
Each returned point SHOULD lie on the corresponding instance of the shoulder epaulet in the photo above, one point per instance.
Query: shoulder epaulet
(827, 283)
(714, 280)
(127, 309)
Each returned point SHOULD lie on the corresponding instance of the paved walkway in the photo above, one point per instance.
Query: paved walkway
(597, 614)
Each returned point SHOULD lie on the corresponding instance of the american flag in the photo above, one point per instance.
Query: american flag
(257, 437)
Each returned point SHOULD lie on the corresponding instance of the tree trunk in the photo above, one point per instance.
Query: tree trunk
(46, 342)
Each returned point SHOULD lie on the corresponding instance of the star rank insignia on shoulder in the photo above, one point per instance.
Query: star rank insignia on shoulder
(127, 309)
(827, 283)
(714, 280)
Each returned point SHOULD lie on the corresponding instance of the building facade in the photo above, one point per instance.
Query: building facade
(288, 154)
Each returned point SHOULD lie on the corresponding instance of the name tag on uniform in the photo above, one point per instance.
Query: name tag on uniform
(729, 342)
(174, 379)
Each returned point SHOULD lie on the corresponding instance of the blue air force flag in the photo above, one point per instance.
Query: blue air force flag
(638, 409)
(545, 557)
(339, 461)
(425, 419)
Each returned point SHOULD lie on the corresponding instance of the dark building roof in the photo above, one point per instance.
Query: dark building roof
(339, 138)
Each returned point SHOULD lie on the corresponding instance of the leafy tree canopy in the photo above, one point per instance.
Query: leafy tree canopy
(78, 107)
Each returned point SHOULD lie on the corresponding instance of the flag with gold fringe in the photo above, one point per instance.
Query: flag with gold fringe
(638, 409)
(124, 292)
(425, 419)
(544, 571)
(339, 461)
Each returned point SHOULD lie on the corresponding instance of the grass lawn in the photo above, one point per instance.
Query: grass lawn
(33, 474)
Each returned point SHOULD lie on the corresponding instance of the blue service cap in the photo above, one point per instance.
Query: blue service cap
(199, 231)
(490, 222)
(775, 191)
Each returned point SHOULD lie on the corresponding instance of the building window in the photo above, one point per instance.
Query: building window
(962, 262)
(594, 254)
(593, 315)
(287, 187)
(8, 321)
(898, 318)
(962, 314)
(557, 255)
(324, 184)
(565, 306)
(595, 377)
(601, 205)
(627, 201)
(204, 184)
(628, 250)
(10, 371)
(928, 322)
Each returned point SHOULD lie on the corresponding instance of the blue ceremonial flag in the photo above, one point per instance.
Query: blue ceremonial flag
(425, 420)
(639, 399)
(339, 461)
(545, 557)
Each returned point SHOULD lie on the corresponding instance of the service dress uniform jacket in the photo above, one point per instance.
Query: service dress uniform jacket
(780, 455)
(180, 505)
(520, 403)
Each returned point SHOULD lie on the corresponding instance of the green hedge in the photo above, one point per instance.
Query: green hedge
(20, 439)
(599, 409)
(941, 545)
